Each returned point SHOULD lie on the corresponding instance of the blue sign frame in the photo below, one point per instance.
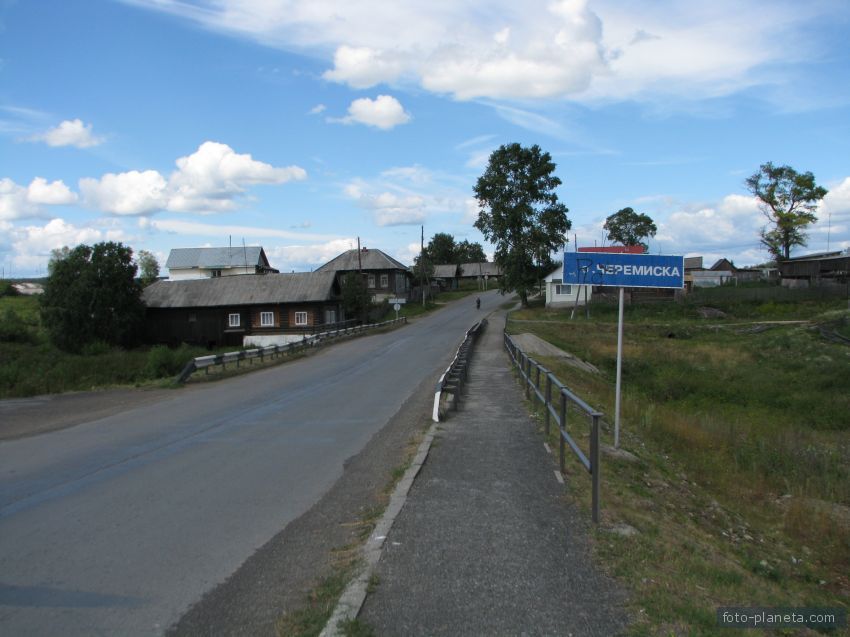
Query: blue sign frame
(624, 270)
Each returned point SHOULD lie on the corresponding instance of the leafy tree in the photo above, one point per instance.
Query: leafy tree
(148, 268)
(520, 213)
(788, 199)
(356, 301)
(91, 294)
(629, 227)
(441, 249)
(466, 252)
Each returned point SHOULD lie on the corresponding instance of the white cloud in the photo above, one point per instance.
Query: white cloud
(545, 49)
(53, 193)
(19, 202)
(836, 202)
(71, 132)
(212, 176)
(31, 245)
(307, 256)
(129, 193)
(384, 112)
(250, 233)
(208, 180)
(362, 67)
(317, 109)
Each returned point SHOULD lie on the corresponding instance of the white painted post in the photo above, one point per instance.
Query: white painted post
(619, 373)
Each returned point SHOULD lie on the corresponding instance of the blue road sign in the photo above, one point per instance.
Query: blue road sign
(624, 270)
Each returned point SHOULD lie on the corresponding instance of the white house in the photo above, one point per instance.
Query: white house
(559, 294)
(210, 263)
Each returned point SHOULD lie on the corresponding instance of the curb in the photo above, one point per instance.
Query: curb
(352, 599)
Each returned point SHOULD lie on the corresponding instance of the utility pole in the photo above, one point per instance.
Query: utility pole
(422, 263)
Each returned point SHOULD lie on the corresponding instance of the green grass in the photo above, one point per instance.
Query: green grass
(741, 494)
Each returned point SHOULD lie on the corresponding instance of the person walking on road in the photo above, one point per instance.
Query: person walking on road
(478, 304)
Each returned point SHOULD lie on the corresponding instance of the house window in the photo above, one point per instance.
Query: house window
(371, 281)
(385, 280)
(234, 320)
(330, 316)
(215, 273)
(560, 289)
(193, 317)
(266, 319)
(301, 318)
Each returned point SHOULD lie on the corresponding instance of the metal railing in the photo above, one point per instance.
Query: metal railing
(455, 375)
(273, 351)
(532, 374)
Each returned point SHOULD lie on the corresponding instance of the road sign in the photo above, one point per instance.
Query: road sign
(624, 270)
(397, 301)
(397, 307)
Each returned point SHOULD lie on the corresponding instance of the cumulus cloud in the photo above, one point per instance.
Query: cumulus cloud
(837, 202)
(71, 132)
(31, 245)
(19, 202)
(308, 256)
(384, 112)
(208, 180)
(543, 49)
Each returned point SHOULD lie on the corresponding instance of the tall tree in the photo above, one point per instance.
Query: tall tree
(356, 301)
(788, 199)
(441, 249)
(520, 213)
(148, 268)
(466, 252)
(91, 294)
(629, 227)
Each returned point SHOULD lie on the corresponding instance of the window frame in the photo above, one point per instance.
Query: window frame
(231, 322)
(370, 281)
(297, 316)
(264, 315)
(385, 281)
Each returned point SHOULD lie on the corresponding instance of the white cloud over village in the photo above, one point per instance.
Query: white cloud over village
(70, 133)
(384, 112)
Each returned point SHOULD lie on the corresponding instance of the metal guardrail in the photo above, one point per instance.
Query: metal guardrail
(455, 375)
(273, 351)
(531, 372)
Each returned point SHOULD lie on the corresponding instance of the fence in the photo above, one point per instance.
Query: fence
(455, 375)
(273, 351)
(531, 373)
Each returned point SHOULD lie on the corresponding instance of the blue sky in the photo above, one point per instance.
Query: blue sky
(300, 126)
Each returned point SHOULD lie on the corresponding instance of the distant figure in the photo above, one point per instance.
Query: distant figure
(477, 304)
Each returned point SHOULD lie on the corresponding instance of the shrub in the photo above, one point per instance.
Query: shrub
(13, 329)
(164, 361)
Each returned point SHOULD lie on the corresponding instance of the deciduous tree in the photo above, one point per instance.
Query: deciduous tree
(629, 227)
(788, 199)
(148, 268)
(91, 294)
(520, 214)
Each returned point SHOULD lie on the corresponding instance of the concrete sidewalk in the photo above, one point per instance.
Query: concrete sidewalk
(487, 543)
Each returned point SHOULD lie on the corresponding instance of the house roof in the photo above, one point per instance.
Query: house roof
(445, 271)
(299, 287)
(371, 259)
(183, 258)
(479, 269)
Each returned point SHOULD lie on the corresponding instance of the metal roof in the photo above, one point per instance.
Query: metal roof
(182, 258)
(371, 259)
(479, 269)
(256, 289)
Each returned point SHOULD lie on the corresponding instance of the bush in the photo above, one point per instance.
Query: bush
(7, 289)
(13, 329)
(164, 361)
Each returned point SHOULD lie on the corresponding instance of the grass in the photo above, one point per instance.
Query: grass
(741, 489)
(311, 618)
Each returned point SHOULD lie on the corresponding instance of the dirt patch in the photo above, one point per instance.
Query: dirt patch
(531, 344)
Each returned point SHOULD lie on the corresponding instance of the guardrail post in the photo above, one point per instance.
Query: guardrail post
(561, 442)
(594, 467)
(548, 401)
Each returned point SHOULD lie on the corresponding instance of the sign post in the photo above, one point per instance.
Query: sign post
(622, 271)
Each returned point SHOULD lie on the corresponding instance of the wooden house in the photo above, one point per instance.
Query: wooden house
(242, 310)
(385, 277)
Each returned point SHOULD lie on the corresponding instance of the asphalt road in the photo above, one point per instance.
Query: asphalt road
(116, 526)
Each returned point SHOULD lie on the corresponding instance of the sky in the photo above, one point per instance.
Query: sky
(302, 126)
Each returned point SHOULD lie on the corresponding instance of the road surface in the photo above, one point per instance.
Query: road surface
(116, 526)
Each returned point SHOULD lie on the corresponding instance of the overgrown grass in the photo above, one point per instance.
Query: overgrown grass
(741, 491)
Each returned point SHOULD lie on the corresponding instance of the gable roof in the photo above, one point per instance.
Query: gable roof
(182, 258)
(479, 269)
(300, 287)
(371, 258)
(445, 271)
